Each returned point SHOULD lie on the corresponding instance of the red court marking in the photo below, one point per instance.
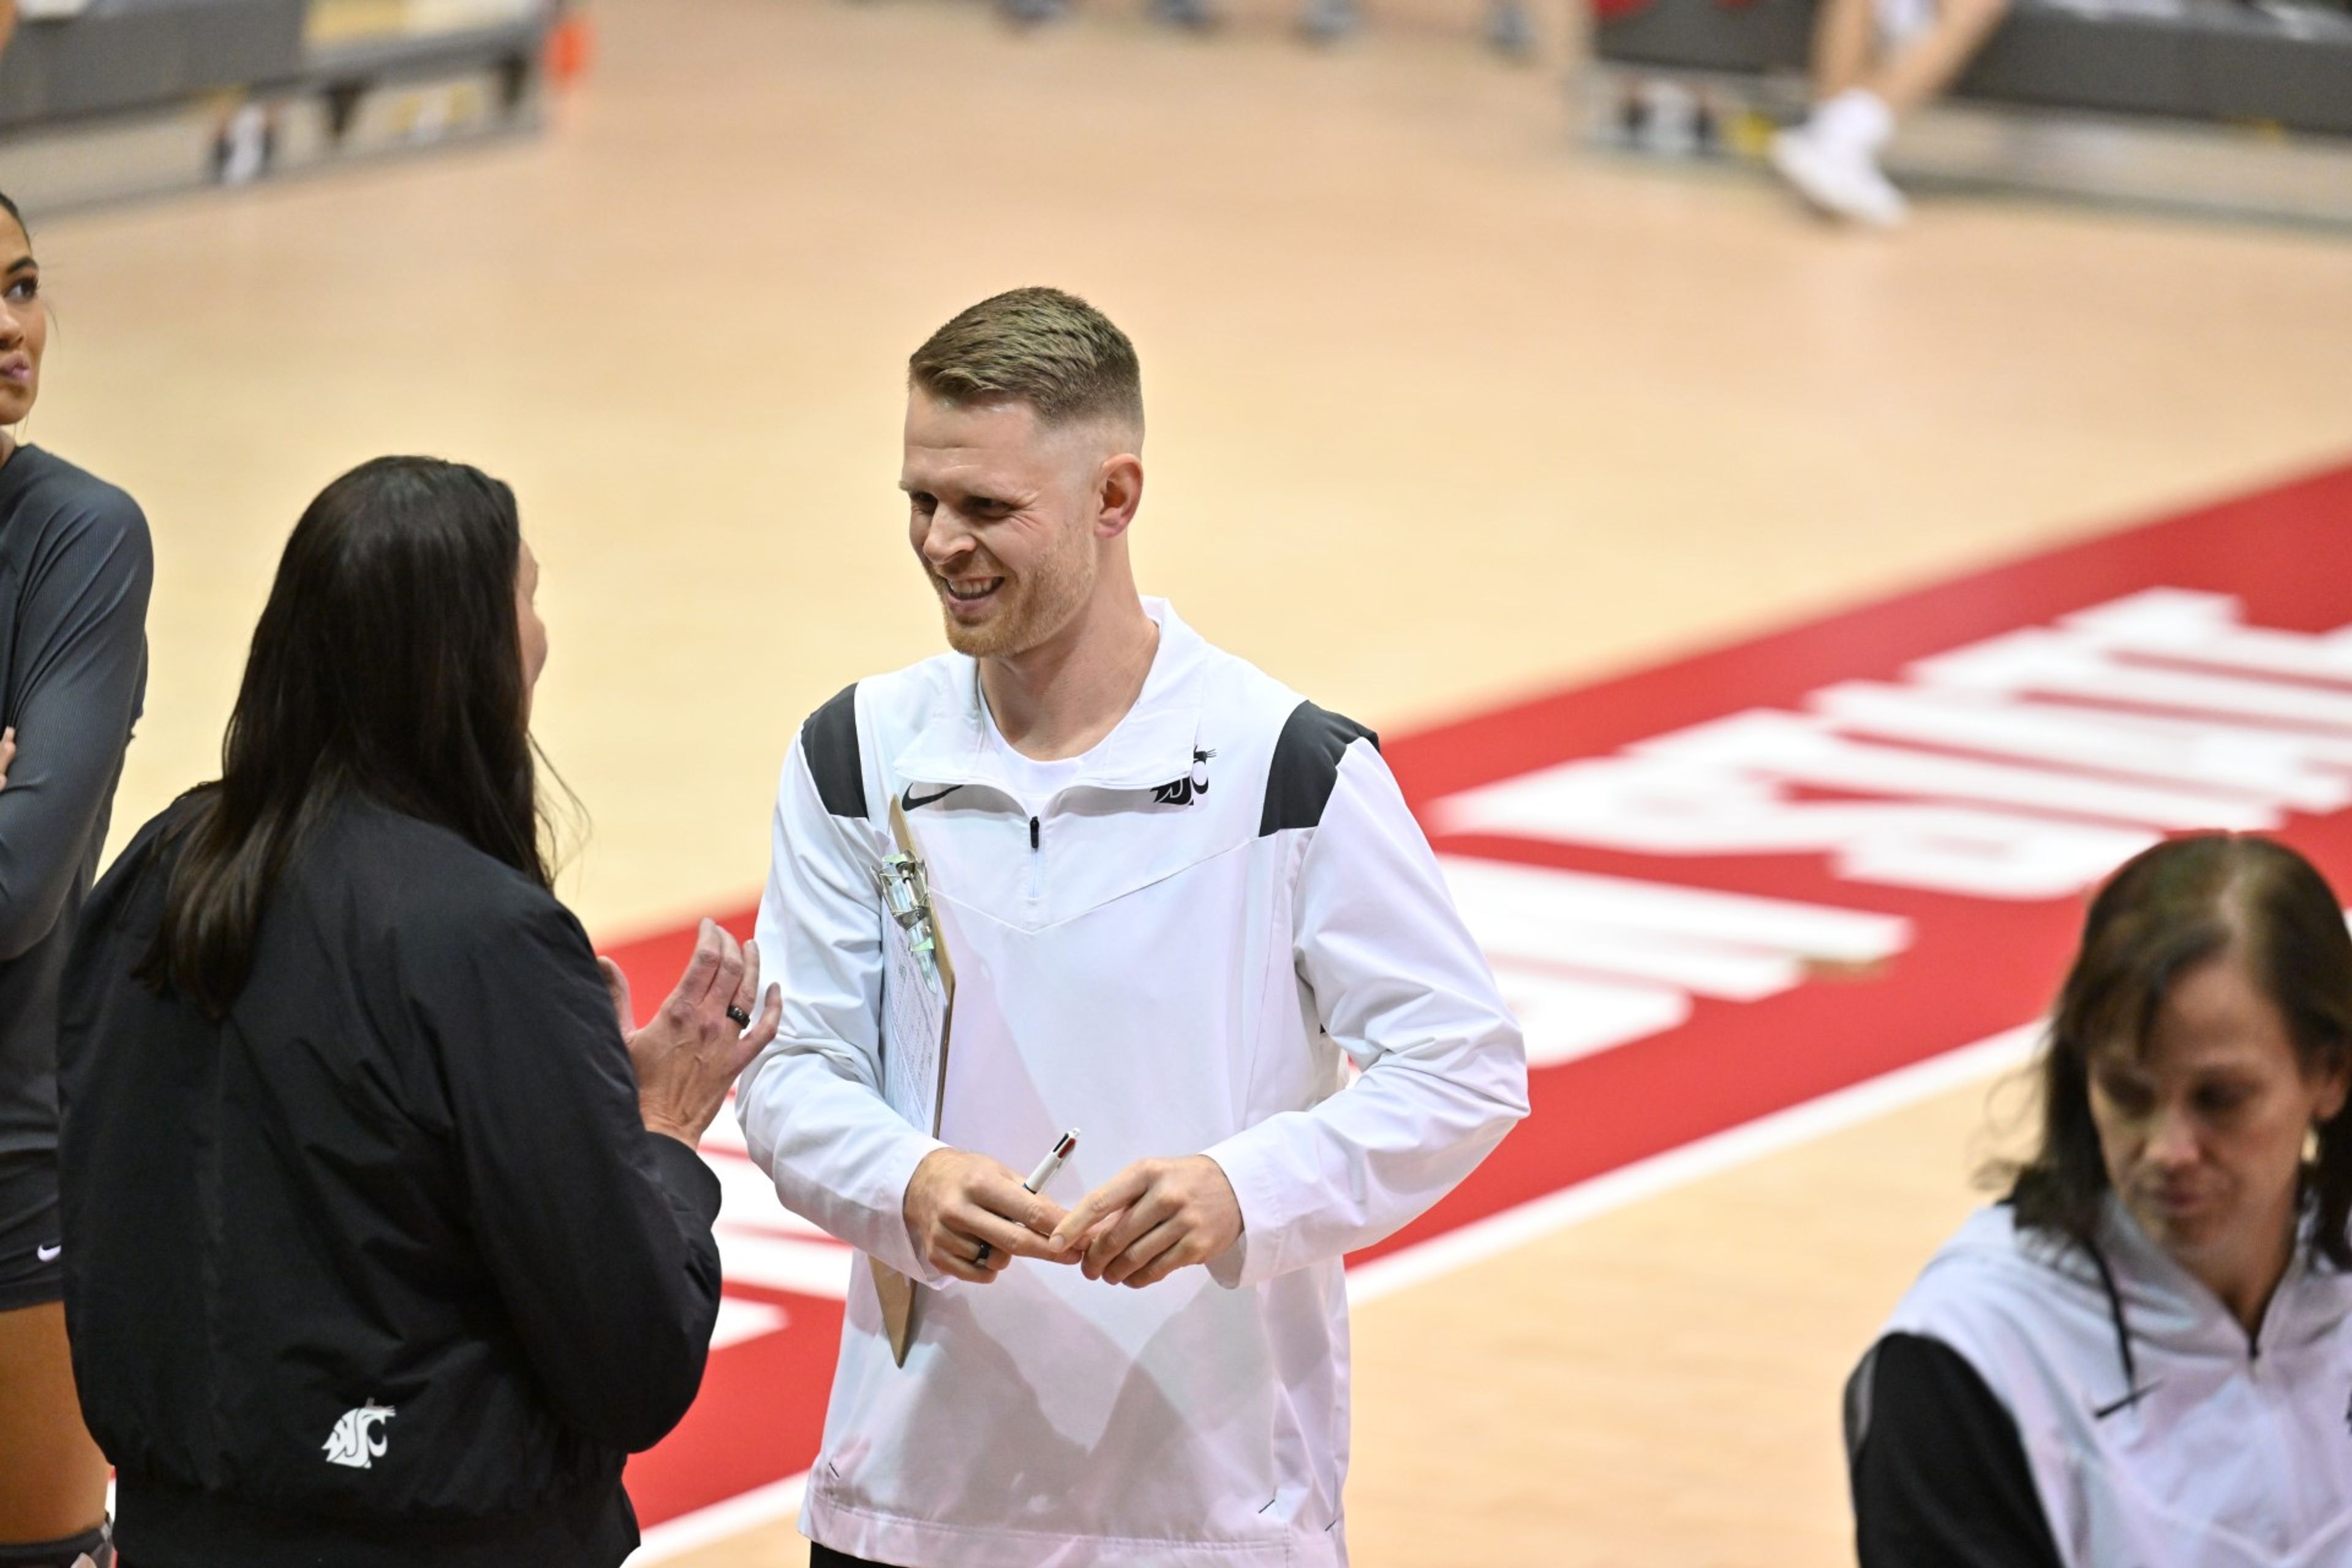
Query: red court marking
(758, 1419)
(1975, 967)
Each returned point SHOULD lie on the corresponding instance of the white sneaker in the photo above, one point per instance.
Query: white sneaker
(1841, 181)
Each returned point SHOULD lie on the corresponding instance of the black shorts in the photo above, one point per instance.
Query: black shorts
(827, 1557)
(32, 1273)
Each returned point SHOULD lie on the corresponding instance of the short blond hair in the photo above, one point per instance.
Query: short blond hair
(1050, 349)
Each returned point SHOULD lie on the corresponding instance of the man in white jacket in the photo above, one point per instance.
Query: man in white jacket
(1179, 900)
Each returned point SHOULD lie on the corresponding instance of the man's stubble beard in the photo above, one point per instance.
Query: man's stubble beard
(1037, 605)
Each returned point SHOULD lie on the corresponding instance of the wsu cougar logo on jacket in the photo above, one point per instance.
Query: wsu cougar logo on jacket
(356, 1440)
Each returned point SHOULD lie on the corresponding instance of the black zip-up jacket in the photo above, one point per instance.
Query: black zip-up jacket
(384, 1268)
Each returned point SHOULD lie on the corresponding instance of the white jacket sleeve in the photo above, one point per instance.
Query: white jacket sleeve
(1400, 985)
(810, 1104)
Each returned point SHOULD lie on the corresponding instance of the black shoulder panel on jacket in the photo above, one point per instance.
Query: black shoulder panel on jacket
(829, 739)
(1939, 1474)
(1306, 766)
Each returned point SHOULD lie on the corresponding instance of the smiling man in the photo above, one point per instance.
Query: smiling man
(1179, 900)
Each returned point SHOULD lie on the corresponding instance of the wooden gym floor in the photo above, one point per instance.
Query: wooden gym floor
(1442, 413)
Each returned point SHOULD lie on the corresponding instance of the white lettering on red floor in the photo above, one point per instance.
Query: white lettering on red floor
(2024, 767)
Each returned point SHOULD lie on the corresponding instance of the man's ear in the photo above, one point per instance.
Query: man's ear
(1118, 491)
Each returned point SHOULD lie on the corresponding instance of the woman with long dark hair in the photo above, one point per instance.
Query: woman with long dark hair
(74, 574)
(2144, 1355)
(385, 1241)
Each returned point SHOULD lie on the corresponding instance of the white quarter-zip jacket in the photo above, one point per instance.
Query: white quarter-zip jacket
(2202, 1447)
(1179, 953)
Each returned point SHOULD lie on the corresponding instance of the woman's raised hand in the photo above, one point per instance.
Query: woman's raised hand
(700, 1039)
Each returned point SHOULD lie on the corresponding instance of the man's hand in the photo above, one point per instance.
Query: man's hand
(1153, 1218)
(7, 753)
(969, 1216)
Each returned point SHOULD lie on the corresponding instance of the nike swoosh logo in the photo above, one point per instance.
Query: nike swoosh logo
(910, 800)
(49, 1254)
(2100, 1412)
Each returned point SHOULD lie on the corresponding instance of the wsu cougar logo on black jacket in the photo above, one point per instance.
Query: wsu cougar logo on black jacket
(358, 1439)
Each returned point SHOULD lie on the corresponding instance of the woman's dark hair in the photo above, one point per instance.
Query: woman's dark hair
(9, 207)
(2170, 909)
(387, 664)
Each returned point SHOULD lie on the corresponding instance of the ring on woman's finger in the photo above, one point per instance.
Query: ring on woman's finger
(742, 1019)
(980, 1258)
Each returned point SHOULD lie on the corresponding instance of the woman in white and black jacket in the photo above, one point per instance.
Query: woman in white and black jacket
(2143, 1357)
(385, 1239)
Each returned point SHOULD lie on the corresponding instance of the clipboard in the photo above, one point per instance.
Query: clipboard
(917, 1011)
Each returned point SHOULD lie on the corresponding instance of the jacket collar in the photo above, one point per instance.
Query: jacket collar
(1150, 746)
(2170, 1307)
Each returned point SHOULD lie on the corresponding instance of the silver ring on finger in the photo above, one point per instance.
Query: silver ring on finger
(742, 1019)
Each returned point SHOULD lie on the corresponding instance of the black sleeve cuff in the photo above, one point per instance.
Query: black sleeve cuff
(690, 1184)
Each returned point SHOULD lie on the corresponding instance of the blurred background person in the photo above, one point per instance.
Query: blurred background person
(1875, 61)
(74, 576)
(2140, 1356)
(377, 1250)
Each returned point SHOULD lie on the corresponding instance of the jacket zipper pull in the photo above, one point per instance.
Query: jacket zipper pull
(1033, 833)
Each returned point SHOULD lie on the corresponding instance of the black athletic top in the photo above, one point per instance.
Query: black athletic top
(74, 576)
(1939, 1475)
(384, 1269)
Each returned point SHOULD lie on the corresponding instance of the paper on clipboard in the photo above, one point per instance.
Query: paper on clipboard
(914, 1030)
(917, 1010)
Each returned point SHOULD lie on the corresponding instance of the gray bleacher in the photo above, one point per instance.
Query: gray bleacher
(2287, 63)
(126, 97)
(119, 56)
(2238, 108)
